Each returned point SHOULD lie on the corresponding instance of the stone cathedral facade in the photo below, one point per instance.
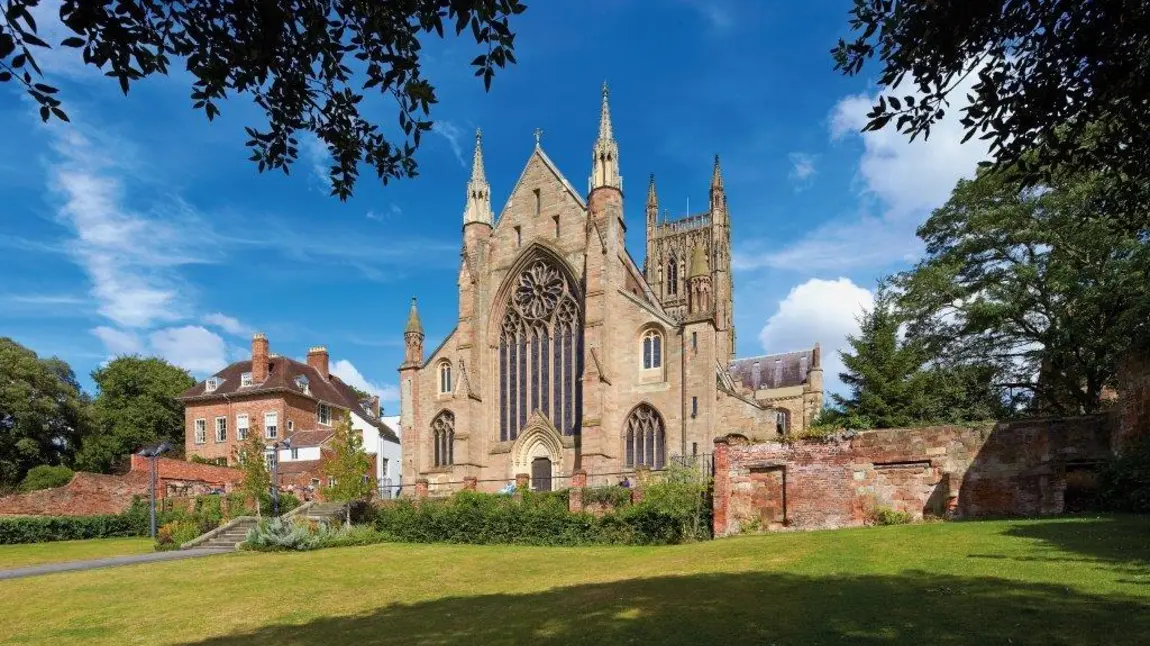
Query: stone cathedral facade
(570, 355)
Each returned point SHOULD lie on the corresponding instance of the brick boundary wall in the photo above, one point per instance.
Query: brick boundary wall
(1133, 399)
(1004, 469)
(90, 494)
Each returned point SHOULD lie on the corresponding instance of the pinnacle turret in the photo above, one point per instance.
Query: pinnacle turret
(414, 326)
(717, 176)
(652, 197)
(605, 156)
(478, 207)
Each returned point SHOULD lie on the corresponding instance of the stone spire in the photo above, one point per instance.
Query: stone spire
(605, 157)
(717, 176)
(478, 207)
(718, 195)
(413, 338)
(652, 197)
(414, 326)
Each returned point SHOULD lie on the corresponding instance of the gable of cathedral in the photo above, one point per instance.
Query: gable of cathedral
(568, 354)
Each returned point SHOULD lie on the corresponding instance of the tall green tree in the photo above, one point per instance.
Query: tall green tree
(251, 457)
(897, 380)
(349, 467)
(44, 414)
(307, 64)
(1035, 281)
(136, 405)
(1058, 86)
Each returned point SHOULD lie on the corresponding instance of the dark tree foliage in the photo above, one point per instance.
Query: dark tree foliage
(1035, 282)
(136, 406)
(1036, 65)
(43, 412)
(306, 63)
(897, 381)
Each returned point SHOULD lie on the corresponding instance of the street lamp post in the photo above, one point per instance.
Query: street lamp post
(152, 453)
(286, 444)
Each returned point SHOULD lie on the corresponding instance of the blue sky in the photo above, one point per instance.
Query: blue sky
(141, 227)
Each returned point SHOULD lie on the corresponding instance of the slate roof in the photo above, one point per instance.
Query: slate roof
(772, 370)
(302, 439)
(282, 375)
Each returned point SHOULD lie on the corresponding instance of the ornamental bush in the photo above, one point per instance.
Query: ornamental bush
(46, 477)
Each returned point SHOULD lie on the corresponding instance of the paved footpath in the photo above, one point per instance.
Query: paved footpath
(92, 564)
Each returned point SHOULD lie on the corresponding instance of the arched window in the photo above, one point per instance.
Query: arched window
(540, 352)
(443, 438)
(445, 377)
(672, 277)
(644, 436)
(652, 349)
(781, 422)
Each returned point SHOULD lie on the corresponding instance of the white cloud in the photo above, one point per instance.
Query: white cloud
(119, 341)
(452, 134)
(351, 375)
(823, 311)
(192, 347)
(802, 170)
(393, 211)
(899, 183)
(228, 324)
(130, 256)
(319, 159)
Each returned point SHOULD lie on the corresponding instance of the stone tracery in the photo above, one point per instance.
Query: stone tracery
(540, 352)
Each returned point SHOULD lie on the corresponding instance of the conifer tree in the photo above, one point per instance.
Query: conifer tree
(347, 467)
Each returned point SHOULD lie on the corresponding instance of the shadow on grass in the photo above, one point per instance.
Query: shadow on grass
(752, 608)
(1116, 543)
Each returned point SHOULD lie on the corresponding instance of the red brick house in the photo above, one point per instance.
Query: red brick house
(281, 398)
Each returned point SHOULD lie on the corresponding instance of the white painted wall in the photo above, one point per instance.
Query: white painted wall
(387, 451)
(305, 453)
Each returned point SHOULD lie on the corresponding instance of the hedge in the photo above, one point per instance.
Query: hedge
(477, 518)
(42, 529)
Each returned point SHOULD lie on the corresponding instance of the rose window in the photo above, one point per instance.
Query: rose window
(539, 291)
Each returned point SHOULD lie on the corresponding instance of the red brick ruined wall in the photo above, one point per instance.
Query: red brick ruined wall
(1015, 468)
(1133, 399)
(87, 494)
(90, 494)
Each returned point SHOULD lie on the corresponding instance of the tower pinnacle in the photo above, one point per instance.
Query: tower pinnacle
(717, 175)
(414, 326)
(478, 207)
(605, 156)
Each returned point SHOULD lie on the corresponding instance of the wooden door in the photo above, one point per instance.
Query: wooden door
(541, 474)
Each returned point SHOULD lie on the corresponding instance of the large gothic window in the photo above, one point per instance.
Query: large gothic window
(645, 438)
(540, 352)
(443, 438)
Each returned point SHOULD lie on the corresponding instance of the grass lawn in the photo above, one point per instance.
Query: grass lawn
(14, 556)
(1056, 581)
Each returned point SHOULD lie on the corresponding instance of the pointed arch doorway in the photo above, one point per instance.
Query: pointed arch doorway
(538, 452)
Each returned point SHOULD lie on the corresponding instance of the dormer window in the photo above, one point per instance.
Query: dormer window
(211, 384)
(246, 379)
(302, 383)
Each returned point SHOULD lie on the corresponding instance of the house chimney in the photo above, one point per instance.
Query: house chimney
(317, 358)
(375, 406)
(259, 358)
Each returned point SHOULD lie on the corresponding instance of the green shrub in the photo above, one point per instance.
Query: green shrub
(46, 477)
(42, 529)
(288, 502)
(1125, 481)
(171, 536)
(888, 516)
(278, 534)
(612, 496)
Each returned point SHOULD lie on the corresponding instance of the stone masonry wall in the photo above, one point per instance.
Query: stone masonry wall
(1134, 399)
(1012, 468)
(90, 494)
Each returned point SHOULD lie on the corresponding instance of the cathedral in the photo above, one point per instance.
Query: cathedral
(569, 355)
